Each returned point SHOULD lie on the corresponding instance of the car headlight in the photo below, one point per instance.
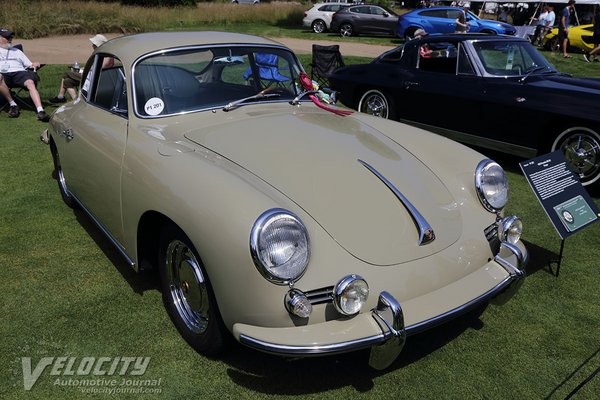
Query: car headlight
(511, 229)
(279, 246)
(350, 294)
(491, 185)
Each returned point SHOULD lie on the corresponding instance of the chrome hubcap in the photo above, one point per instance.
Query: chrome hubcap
(318, 27)
(375, 104)
(582, 152)
(187, 286)
(346, 30)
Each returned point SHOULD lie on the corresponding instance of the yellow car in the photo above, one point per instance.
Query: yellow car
(580, 37)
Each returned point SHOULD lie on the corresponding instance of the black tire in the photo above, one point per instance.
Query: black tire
(553, 43)
(66, 196)
(187, 294)
(376, 103)
(581, 146)
(346, 30)
(319, 26)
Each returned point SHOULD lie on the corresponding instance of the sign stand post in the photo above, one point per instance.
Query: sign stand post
(557, 261)
(566, 203)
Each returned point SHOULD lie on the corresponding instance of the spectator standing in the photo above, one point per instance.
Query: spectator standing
(563, 27)
(596, 38)
(13, 68)
(541, 24)
(462, 26)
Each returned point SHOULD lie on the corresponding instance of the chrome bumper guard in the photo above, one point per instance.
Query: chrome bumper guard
(388, 314)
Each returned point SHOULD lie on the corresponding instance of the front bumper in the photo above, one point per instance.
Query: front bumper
(383, 329)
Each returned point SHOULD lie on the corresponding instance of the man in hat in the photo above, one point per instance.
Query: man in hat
(71, 79)
(13, 69)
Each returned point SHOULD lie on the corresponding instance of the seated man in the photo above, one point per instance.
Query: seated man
(71, 79)
(13, 68)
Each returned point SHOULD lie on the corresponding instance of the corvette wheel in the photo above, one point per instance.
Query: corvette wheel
(319, 26)
(187, 293)
(346, 30)
(375, 103)
(581, 147)
(67, 197)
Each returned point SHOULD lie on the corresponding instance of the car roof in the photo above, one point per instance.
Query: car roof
(130, 47)
(468, 36)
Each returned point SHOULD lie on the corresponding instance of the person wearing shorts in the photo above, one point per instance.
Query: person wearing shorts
(595, 39)
(13, 67)
(563, 27)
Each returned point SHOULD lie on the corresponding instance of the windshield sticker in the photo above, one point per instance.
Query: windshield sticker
(154, 106)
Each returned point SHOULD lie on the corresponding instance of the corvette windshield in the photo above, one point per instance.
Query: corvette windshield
(194, 79)
(511, 58)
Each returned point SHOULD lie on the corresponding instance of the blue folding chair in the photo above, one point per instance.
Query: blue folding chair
(268, 70)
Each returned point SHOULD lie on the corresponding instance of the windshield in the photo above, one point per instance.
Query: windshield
(193, 79)
(511, 58)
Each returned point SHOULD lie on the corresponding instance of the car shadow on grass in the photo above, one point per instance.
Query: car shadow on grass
(139, 282)
(269, 374)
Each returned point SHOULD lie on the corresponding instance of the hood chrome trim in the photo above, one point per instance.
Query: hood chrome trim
(426, 234)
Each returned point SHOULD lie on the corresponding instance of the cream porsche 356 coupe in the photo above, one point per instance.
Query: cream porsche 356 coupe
(271, 216)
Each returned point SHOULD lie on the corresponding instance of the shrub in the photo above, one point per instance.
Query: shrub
(159, 3)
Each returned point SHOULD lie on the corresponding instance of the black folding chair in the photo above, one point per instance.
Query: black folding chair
(20, 94)
(325, 60)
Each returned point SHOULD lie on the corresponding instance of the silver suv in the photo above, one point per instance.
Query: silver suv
(318, 18)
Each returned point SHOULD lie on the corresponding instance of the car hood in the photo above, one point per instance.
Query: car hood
(313, 158)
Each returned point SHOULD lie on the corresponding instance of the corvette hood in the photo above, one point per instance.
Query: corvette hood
(313, 158)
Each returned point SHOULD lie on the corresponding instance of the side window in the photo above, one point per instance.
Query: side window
(377, 11)
(110, 90)
(361, 10)
(464, 64)
(453, 14)
(88, 77)
(440, 58)
(434, 13)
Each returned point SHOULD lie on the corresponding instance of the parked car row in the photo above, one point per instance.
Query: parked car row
(349, 20)
(496, 92)
(207, 157)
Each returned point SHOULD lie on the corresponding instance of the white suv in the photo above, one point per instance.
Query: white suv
(318, 18)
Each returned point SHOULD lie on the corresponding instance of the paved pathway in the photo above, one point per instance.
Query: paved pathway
(68, 49)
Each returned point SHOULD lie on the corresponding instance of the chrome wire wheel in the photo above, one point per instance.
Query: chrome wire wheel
(375, 103)
(318, 26)
(187, 287)
(581, 147)
(346, 30)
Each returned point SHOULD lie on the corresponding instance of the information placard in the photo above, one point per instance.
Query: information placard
(563, 198)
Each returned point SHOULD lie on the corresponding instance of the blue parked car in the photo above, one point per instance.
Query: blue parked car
(443, 20)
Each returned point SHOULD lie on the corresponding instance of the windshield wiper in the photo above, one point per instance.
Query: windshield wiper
(257, 96)
(297, 99)
(528, 73)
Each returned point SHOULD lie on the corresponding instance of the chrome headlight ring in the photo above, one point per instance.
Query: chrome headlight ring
(280, 246)
(510, 229)
(491, 185)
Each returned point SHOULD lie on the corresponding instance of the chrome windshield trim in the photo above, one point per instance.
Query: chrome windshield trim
(198, 47)
(426, 233)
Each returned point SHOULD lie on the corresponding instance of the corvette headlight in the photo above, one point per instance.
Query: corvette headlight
(491, 185)
(279, 246)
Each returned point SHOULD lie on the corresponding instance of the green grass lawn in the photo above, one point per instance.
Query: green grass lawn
(66, 292)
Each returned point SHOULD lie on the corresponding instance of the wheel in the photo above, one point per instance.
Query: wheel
(581, 147)
(375, 103)
(67, 197)
(187, 294)
(318, 26)
(346, 30)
